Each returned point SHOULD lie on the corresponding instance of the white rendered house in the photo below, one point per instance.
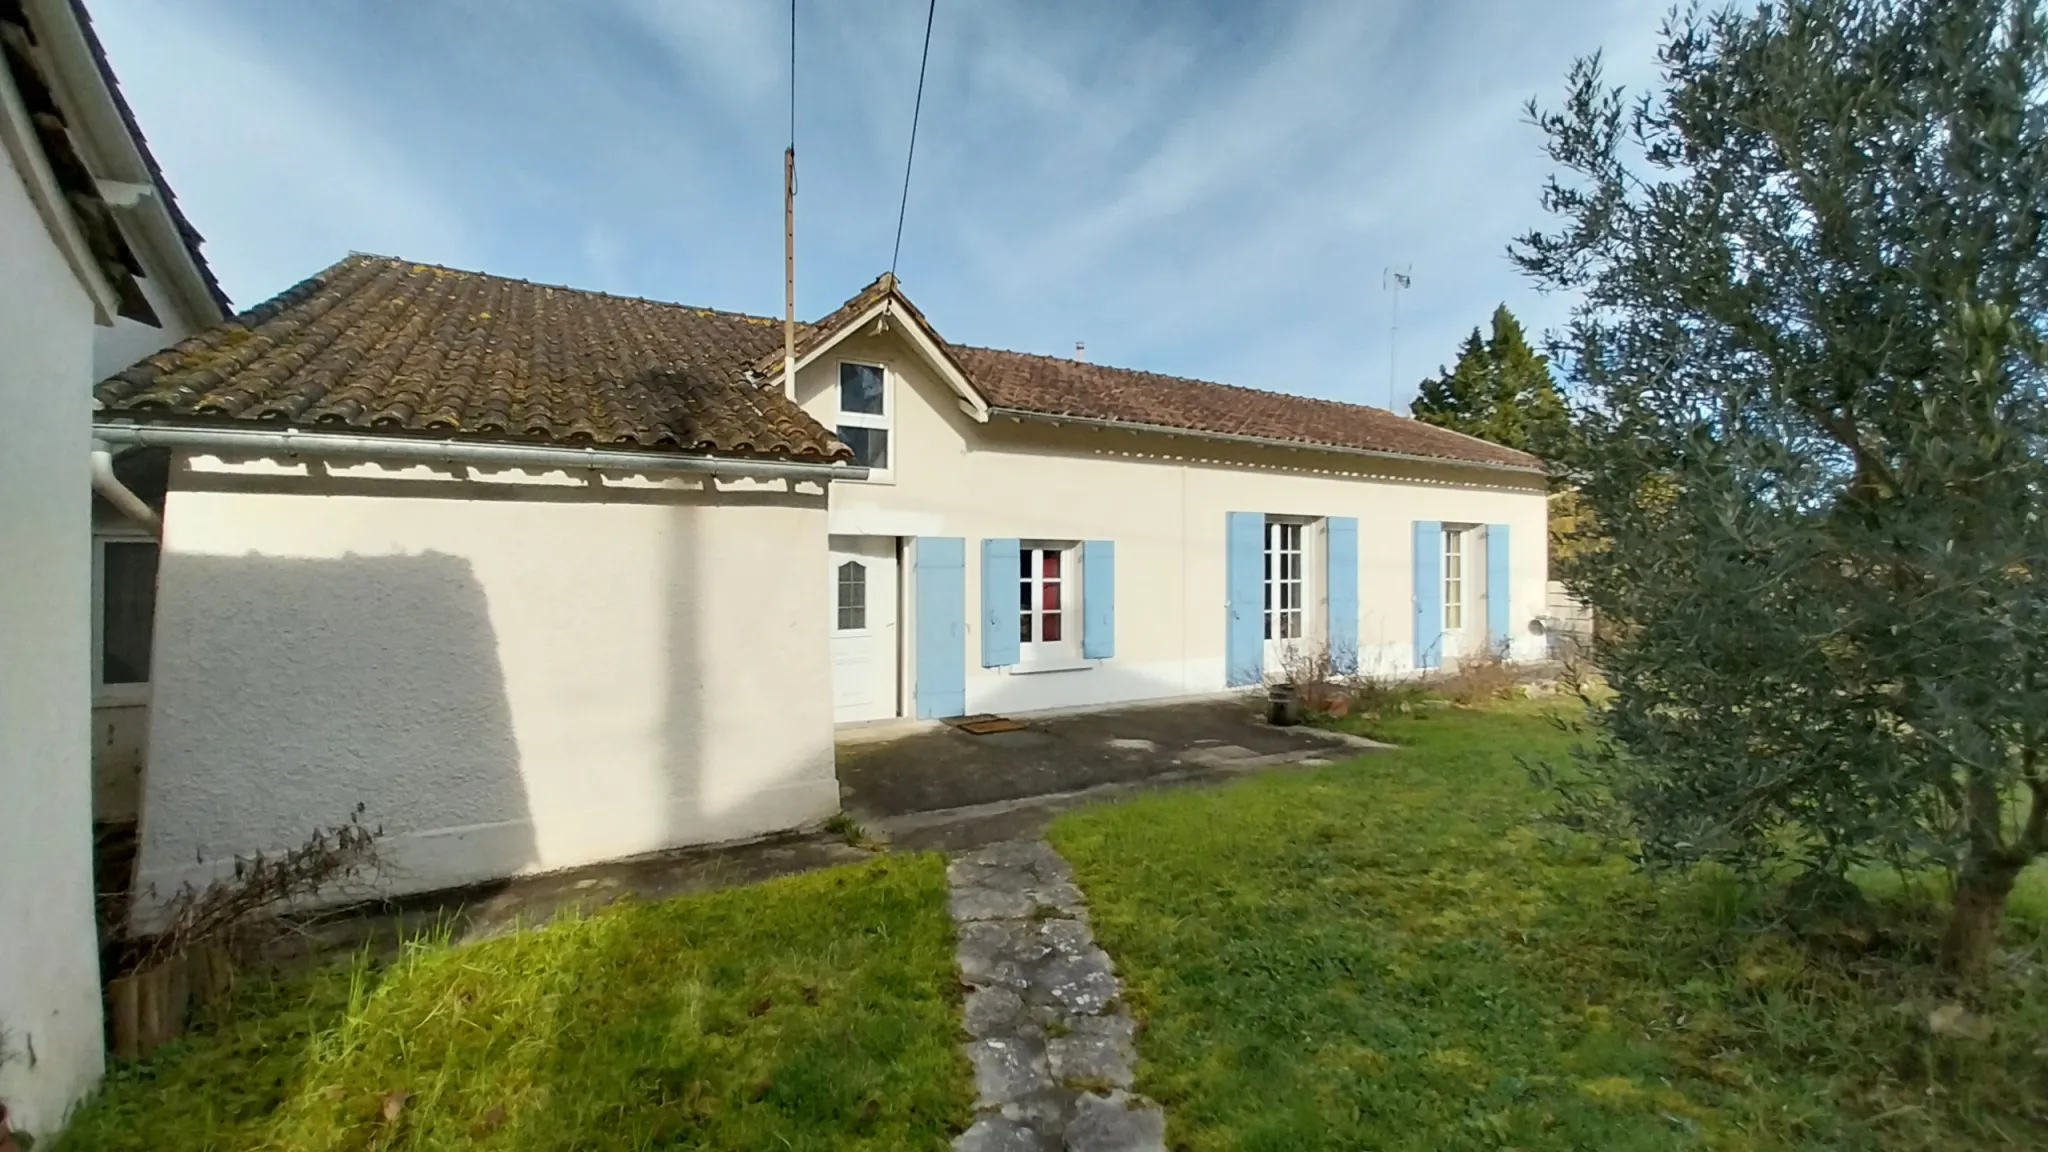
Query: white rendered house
(544, 577)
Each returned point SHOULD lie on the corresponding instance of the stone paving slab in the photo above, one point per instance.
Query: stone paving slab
(1053, 1050)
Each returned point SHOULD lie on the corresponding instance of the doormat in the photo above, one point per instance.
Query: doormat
(986, 724)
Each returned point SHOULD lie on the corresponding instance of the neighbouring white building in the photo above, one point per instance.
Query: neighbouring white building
(97, 268)
(542, 577)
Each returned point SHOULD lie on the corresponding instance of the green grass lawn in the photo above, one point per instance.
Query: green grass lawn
(815, 1012)
(1393, 954)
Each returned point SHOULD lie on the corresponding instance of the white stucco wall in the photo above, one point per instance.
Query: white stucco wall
(50, 1049)
(1163, 501)
(512, 675)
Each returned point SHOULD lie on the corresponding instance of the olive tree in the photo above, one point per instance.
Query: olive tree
(1807, 365)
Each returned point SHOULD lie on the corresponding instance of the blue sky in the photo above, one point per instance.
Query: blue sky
(1210, 190)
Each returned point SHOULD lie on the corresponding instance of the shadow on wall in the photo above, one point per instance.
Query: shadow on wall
(290, 690)
(746, 714)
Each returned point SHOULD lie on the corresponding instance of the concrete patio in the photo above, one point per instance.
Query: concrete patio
(944, 789)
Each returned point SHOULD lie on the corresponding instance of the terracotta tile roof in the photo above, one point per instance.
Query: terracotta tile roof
(382, 345)
(1052, 386)
(810, 335)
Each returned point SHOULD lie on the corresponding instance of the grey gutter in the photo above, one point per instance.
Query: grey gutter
(287, 442)
(1262, 441)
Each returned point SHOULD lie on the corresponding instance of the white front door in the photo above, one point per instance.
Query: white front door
(1287, 591)
(863, 607)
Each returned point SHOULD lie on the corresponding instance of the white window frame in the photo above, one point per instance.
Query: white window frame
(104, 693)
(866, 603)
(1455, 554)
(1271, 584)
(885, 422)
(1031, 575)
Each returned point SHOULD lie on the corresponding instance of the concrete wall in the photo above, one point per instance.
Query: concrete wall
(513, 674)
(49, 969)
(1163, 501)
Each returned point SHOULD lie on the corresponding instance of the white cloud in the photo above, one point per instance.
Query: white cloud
(1212, 191)
(275, 172)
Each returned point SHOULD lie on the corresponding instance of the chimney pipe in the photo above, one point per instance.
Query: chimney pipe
(1081, 351)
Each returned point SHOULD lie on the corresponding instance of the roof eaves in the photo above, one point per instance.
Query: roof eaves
(877, 301)
(72, 201)
(1263, 441)
(139, 429)
(188, 235)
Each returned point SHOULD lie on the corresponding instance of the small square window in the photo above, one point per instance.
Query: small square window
(860, 389)
(870, 445)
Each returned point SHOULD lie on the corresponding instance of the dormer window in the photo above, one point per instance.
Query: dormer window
(866, 416)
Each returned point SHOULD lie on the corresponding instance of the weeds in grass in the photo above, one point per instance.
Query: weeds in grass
(1371, 697)
(1476, 680)
(852, 831)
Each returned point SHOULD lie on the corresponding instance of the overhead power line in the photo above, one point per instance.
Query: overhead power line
(792, 75)
(789, 225)
(915, 110)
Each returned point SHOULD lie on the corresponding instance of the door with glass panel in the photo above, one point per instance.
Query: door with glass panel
(1287, 596)
(864, 633)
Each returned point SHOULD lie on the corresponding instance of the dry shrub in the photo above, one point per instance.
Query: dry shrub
(1475, 680)
(239, 908)
(1329, 692)
(1323, 690)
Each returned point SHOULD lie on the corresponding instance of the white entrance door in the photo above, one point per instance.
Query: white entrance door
(863, 606)
(1287, 592)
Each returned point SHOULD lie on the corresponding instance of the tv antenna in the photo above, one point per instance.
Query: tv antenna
(1394, 282)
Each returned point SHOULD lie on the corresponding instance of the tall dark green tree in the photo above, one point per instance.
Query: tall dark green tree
(1814, 436)
(1499, 390)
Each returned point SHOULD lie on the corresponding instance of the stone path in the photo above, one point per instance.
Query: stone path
(1053, 1049)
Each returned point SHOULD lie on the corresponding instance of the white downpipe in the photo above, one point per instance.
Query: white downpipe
(286, 442)
(111, 489)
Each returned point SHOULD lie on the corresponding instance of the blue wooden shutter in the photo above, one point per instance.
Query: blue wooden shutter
(941, 626)
(1098, 599)
(1342, 557)
(1244, 589)
(1429, 593)
(999, 580)
(1497, 603)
